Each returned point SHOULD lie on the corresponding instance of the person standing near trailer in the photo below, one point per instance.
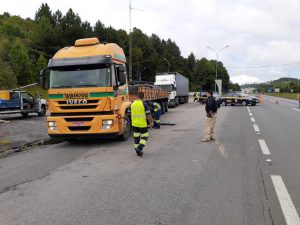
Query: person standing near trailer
(157, 114)
(140, 112)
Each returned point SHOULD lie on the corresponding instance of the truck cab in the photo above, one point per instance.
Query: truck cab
(88, 91)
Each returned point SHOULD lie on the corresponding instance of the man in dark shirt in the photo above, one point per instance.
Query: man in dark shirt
(211, 107)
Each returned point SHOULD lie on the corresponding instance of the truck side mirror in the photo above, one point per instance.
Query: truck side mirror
(43, 79)
(121, 75)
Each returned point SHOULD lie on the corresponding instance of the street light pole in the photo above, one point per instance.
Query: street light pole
(168, 64)
(217, 58)
(130, 41)
(140, 74)
(130, 44)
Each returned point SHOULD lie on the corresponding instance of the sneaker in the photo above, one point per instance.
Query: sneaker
(205, 140)
(212, 139)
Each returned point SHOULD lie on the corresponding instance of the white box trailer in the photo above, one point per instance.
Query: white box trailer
(176, 84)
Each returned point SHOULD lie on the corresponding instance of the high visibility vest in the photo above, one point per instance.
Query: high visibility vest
(156, 106)
(138, 114)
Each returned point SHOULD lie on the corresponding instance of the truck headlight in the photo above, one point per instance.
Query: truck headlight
(107, 124)
(52, 126)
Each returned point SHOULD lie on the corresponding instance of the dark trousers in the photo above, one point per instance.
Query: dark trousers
(140, 135)
(156, 120)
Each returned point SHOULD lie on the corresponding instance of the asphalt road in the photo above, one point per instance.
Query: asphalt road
(179, 180)
(18, 130)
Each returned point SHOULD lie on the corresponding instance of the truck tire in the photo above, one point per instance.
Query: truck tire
(166, 106)
(163, 110)
(176, 102)
(244, 103)
(223, 103)
(127, 130)
(173, 103)
(42, 113)
(24, 114)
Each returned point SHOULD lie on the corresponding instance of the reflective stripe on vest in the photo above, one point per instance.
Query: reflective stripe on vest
(138, 114)
(156, 106)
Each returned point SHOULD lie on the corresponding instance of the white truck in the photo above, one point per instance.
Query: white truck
(177, 86)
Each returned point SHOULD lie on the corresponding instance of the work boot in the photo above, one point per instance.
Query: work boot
(139, 152)
(205, 140)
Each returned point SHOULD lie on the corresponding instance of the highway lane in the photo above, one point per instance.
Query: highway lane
(178, 181)
(280, 128)
(282, 101)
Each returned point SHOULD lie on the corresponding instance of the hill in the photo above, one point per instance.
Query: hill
(26, 45)
(285, 84)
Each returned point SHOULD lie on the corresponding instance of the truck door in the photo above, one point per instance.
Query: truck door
(15, 102)
(28, 101)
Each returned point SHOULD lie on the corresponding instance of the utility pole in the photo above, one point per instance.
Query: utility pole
(130, 41)
(130, 45)
(168, 64)
(217, 57)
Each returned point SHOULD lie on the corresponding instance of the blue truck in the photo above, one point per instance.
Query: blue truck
(18, 101)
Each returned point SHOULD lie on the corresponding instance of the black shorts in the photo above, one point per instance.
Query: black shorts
(141, 130)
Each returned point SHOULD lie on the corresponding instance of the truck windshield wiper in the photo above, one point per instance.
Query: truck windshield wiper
(63, 86)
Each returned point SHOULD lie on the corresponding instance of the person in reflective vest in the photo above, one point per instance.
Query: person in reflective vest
(140, 112)
(157, 114)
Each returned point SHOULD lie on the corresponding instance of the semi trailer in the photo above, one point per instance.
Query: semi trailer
(177, 86)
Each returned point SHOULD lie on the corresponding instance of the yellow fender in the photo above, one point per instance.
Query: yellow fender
(121, 114)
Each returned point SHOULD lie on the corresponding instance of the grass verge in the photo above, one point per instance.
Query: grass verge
(294, 96)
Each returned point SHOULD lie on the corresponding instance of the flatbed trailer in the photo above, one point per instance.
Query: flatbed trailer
(151, 93)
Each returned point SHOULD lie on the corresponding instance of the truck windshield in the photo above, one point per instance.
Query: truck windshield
(80, 76)
(169, 87)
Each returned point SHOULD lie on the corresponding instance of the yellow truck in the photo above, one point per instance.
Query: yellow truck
(88, 92)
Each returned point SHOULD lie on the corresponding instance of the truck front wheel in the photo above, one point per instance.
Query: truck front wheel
(127, 129)
(43, 111)
(24, 114)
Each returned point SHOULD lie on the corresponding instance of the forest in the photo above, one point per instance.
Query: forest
(27, 44)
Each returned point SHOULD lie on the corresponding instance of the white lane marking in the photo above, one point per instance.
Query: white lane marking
(286, 203)
(296, 109)
(247, 107)
(256, 128)
(250, 114)
(252, 119)
(264, 148)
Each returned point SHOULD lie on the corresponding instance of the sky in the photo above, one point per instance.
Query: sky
(263, 35)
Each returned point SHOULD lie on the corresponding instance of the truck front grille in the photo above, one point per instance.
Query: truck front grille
(79, 107)
(88, 102)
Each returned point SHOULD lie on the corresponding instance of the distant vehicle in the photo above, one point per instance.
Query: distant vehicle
(176, 84)
(203, 97)
(17, 101)
(238, 98)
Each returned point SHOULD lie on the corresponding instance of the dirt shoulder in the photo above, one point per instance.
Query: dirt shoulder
(15, 130)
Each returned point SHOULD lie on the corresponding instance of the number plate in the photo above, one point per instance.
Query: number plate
(78, 124)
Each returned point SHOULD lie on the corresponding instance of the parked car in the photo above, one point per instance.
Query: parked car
(238, 98)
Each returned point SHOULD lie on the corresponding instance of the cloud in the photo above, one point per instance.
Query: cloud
(259, 32)
(244, 79)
